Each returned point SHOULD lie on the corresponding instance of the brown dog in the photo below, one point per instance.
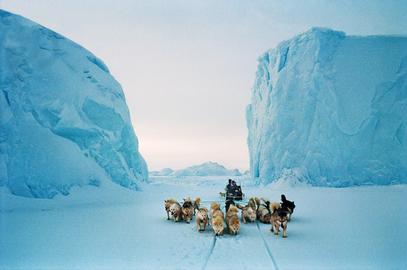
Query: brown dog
(187, 210)
(232, 220)
(217, 217)
(202, 219)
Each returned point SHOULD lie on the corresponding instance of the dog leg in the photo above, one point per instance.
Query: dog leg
(284, 230)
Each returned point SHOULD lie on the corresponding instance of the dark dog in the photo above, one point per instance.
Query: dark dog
(287, 205)
(187, 210)
(279, 218)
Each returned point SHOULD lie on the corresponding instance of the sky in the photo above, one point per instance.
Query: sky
(187, 67)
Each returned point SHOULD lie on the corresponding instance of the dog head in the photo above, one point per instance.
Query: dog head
(168, 203)
(175, 209)
(187, 203)
(215, 206)
(292, 206)
(202, 214)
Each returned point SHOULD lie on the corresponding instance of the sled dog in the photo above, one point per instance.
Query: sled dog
(232, 220)
(176, 212)
(167, 205)
(279, 218)
(187, 210)
(202, 219)
(248, 213)
(217, 217)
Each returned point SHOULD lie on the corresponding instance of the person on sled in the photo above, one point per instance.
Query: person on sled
(233, 191)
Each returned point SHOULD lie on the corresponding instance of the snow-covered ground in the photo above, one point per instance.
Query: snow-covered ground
(116, 228)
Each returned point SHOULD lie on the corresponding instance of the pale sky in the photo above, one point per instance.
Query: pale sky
(187, 67)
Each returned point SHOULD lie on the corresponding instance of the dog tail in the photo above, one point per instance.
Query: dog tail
(239, 206)
(265, 200)
(257, 200)
(197, 201)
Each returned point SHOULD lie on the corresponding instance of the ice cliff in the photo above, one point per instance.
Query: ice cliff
(63, 117)
(331, 109)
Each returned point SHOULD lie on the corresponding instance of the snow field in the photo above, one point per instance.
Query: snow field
(115, 228)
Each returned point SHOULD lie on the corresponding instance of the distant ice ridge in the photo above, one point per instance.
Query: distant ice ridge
(163, 172)
(205, 169)
(332, 108)
(63, 117)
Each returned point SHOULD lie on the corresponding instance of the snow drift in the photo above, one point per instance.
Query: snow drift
(206, 169)
(332, 109)
(63, 117)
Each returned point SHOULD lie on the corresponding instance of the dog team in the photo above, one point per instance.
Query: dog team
(278, 214)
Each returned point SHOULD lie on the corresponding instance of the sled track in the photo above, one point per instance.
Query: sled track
(267, 247)
(208, 256)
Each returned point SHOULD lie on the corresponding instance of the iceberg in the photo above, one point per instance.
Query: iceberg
(206, 169)
(63, 117)
(330, 109)
(163, 172)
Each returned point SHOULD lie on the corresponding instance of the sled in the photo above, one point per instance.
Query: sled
(235, 194)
